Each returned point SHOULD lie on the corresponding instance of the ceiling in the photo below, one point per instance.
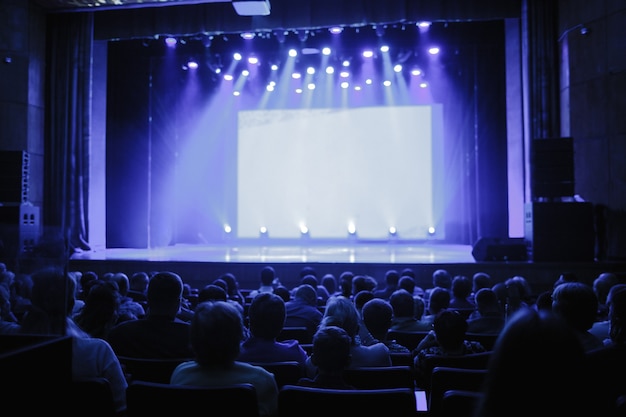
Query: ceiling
(91, 5)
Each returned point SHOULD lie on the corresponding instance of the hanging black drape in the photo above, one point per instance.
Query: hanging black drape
(68, 130)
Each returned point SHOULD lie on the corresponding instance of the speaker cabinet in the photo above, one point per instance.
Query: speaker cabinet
(14, 176)
(497, 249)
(552, 167)
(560, 231)
(20, 229)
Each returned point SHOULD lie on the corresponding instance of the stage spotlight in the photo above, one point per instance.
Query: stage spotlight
(247, 35)
(171, 41)
(393, 231)
(431, 231)
(335, 30)
(263, 232)
(227, 229)
(433, 50)
(351, 229)
(237, 56)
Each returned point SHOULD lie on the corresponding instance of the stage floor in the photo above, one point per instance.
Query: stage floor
(387, 253)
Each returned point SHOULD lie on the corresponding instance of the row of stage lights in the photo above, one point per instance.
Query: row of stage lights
(342, 67)
(304, 231)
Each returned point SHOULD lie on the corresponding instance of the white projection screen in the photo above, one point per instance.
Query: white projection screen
(372, 167)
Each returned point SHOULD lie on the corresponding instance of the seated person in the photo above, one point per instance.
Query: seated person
(404, 319)
(267, 276)
(217, 331)
(302, 310)
(377, 314)
(161, 334)
(446, 339)
(340, 311)
(331, 355)
(267, 317)
(489, 319)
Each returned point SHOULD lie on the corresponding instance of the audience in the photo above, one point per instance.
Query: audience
(341, 312)
(345, 283)
(391, 284)
(268, 273)
(489, 318)
(408, 283)
(404, 318)
(461, 295)
(322, 292)
(377, 315)
(577, 304)
(441, 279)
(438, 300)
(217, 331)
(161, 334)
(302, 311)
(266, 316)
(8, 321)
(359, 300)
(129, 309)
(601, 287)
(138, 287)
(232, 289)
(53, 296)
(212, 292)
(410, 273)
(600, 329)
(100, 312)
(446, 339)
(330, 283)
(330, 355)
(537, 368)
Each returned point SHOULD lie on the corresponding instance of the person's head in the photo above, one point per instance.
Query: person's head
(408, 272)
(87, 278)
(308, 270)
(309, 280)
(461, 287)
(340, 311)
(52, 301)
(442, 279)
(345, 283)
(306, 294)
(518, 289)
(576, 303)
(480, 280)
(438, 299)
(268, 274)
(361, 298)
(535, 343)
(602, 284)
(377, 314)
(283, 292)
(450, 328)
(567, 276)
(544, 301)
(402, 303)
(616, 300)
(407, 283)
(165, 291)
(392, 277)
(139, 281)
(212, 292)
(216, 333)
(330, 283)
(363, 283)
(122, 282)
(487, 301)
(266, 316)
(232, 286)
(100, 311)
(331, 349)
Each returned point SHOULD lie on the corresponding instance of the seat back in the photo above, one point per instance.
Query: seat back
(301, 334)
(430, 362)
(408, 339)
(401, 359)
(153, 370)
(92, 397)
(152, 398)
(460, 403)
(485, 339)
(297, 400)
(380, 377)
(444, 379)
(288, 372)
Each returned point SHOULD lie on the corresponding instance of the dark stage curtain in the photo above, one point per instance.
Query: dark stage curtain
(68, 130)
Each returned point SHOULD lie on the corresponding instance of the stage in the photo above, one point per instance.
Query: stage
(201, 264)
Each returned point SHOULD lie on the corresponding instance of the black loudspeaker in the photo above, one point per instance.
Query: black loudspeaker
(20, 229)
(497, 249)
(552, 167)
(14, 173)
(560, 231)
